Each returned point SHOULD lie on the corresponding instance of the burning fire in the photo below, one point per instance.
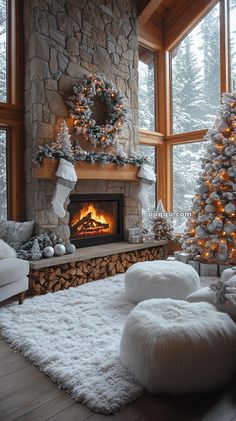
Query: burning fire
(90, 221)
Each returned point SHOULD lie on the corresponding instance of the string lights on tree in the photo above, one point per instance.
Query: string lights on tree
(211, 231)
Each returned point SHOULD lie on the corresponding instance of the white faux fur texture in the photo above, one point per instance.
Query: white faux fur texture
(6, 251)
(180, 347)
(160, 279)
(74, 337)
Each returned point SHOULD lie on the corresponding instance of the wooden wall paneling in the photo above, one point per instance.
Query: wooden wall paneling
(224, 47)
(150, 35)
(148, 11)
(182, 17)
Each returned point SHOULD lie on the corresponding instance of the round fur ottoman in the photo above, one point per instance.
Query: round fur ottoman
(173, 346)
(160, 279)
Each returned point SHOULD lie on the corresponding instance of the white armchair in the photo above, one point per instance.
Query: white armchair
(13, 278)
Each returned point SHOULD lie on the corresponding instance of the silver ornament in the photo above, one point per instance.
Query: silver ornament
(203, 189)
(222, 126)
(59, 249)
(229, 227)
(200, 232)
(231, 171)
(211, 227)
(70, 248)
(48, 251)
(229, 208)
(209, 208)
(229, 150)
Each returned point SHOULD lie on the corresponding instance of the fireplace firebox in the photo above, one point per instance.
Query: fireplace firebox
(95, 219)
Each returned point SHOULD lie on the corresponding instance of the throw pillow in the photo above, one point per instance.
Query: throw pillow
(207, 295)
(15, 233)
(6, 251)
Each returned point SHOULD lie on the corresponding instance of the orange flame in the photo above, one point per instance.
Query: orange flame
(98, 216)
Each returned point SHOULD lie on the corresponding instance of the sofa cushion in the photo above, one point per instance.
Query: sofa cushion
(6, 251)
(14, 288)
(12, 269)
(15, 233)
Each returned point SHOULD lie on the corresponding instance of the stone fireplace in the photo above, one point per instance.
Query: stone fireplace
(95, 219)
(63, 41)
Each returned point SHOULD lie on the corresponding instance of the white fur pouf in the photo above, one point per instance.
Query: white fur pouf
(160, 279)
(173, 346)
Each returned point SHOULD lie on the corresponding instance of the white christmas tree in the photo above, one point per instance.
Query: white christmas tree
(161, 226)
(211, 231)
(63, 140)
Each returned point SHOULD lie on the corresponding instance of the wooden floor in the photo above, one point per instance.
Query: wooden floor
(26, 394)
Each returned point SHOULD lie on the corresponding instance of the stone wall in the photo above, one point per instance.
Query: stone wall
(63, 40)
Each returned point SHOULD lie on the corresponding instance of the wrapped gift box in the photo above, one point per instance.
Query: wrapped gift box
(148, 238)
(135, 239)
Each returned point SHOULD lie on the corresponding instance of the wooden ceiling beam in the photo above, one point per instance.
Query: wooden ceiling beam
(150, 36)
(181, 19)
(148, 10)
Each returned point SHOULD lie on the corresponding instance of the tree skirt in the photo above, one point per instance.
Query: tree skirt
(73, 336)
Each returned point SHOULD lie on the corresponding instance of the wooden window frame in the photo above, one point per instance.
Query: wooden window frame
(154, 138)
(12, 111)
(163, 97)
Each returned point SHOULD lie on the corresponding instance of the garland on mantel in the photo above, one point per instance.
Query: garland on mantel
(78, 154)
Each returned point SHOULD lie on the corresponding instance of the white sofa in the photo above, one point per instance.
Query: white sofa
(13, 278)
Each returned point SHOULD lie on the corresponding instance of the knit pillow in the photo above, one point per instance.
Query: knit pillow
(15, 233)
(207, 295)
(6, 251)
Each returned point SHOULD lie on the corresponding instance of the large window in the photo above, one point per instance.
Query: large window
(3, 50)
(232, 25)
(3, 174)
(146, 89)
(186, 167)
(195, 76)
(11, 110)
(150, 152)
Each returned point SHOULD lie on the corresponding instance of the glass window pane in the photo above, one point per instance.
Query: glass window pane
(186, 168)
(150, 152)
(232, 25)
(3, 174)
(3, 50)
(195, 68)
(146, 89)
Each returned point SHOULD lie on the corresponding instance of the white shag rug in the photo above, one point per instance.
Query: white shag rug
(73, 336)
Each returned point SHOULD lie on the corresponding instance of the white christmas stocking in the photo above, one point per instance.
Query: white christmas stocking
(65, 183)
(147, 178)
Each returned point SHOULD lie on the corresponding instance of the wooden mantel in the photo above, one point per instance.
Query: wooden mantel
(87, 171)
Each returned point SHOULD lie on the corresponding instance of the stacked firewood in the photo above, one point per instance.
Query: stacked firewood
(55, 278)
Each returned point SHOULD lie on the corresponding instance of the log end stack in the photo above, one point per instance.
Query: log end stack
(64, 276)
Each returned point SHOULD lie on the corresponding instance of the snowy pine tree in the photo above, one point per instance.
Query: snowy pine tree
(63, 140)
(161, 225)
(211, 232)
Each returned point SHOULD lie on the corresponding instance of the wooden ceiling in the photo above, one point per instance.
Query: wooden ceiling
(162, 23)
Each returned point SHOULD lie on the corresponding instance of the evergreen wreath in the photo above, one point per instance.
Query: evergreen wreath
(80, 104)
